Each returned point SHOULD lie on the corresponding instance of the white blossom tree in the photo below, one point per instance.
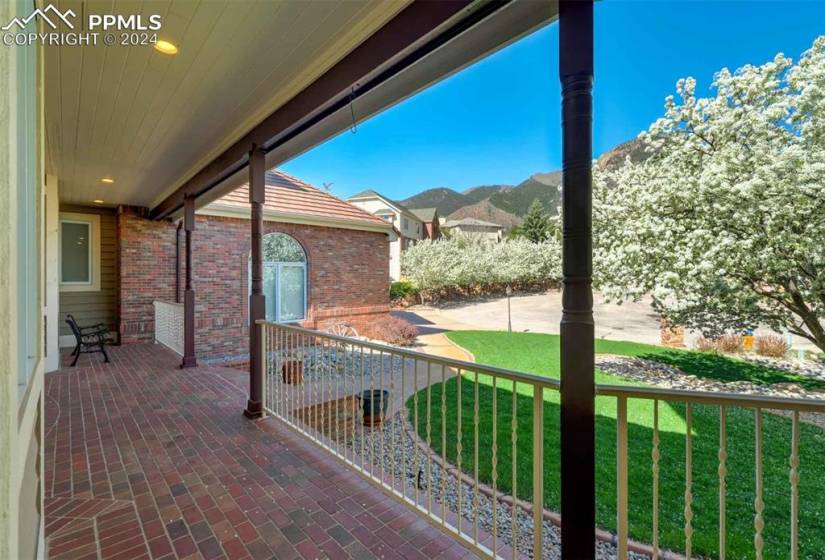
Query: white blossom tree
(724, 221)
(464, 261)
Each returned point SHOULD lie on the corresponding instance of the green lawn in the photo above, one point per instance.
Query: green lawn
(538, 354)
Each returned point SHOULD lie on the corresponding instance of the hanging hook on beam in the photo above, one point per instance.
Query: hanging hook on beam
(354, 126)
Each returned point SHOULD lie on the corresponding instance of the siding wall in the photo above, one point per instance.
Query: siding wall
(96, 306)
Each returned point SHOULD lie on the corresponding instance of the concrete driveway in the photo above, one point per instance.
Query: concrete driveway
(633, 321)
(536, 313)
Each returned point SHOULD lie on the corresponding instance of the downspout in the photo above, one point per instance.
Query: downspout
(177, 261)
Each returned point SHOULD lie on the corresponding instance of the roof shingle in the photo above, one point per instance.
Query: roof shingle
(289, 195)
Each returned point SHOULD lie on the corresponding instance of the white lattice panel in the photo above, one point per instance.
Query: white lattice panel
(169, 325)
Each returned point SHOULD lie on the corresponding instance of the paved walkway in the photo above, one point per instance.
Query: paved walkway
(144, 460)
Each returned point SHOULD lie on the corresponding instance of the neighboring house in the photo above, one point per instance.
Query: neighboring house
(474, 228)
(431, 220)
(410, 225)
(324, 261)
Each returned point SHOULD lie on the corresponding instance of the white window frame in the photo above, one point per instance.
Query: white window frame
(279, 265)
(93, 220)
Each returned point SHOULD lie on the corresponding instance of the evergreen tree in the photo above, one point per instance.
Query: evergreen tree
(537, 226)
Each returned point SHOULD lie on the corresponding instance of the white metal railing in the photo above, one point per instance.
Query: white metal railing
(169, 325)
(311, 380)
(723, 404)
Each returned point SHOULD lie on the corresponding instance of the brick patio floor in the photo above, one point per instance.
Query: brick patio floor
(144, 460)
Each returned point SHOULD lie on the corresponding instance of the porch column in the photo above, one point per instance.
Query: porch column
(257, 299)
(189, 359)
(578, 465)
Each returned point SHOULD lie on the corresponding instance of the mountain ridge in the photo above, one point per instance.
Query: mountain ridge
(508, 204)
(502, 204)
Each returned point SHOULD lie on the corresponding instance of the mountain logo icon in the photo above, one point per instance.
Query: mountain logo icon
(50, 15)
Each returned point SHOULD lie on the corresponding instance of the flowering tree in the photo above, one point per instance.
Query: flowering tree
(462, 262)
(724, 220)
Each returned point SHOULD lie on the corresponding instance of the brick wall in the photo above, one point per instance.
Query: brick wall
(147, 273)
(347, 275)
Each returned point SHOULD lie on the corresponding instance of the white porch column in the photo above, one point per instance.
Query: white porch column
(51, 300)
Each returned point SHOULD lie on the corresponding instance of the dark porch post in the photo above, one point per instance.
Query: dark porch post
(578, 464)
(189, 359)
(257, 299)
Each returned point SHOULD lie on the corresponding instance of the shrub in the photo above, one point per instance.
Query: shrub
(392, 330)
(461, 264)
(705, 344)
(402, 290)
(771, 345)
(729, 343)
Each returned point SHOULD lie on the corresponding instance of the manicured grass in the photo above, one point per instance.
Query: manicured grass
(538, 354)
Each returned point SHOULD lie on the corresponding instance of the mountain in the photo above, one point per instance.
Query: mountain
(477, 194)
(615, 157)
(507, 204)
(446, 200)
(544, 186)
(485, 210)
(500, 204)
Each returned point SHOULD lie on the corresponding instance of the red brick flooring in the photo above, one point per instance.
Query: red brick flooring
(144, 460)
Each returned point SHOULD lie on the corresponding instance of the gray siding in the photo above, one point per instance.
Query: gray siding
(96, 306)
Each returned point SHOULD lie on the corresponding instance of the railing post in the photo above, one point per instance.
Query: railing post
(262, 367)
(578, 465)
(257, 300)
(538, 470)
(621, 478)
(794, 479)
(189, 359)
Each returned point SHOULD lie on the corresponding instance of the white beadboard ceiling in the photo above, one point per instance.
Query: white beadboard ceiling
(150, 120)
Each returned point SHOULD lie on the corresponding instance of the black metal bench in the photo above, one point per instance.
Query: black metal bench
(90, 339)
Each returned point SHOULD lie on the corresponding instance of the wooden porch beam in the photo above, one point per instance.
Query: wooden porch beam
(399, 44)
(189, 359)
(257, 299)
(578, 436)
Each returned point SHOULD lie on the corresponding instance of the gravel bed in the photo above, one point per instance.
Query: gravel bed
(812, 369)
(397, 433)
(663, 375)
(322, 362)
(657, 373)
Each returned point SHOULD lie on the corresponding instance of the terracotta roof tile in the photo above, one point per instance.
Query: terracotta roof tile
(289, 195)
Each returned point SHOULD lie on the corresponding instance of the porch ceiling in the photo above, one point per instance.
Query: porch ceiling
(150, 120)
(284, 75)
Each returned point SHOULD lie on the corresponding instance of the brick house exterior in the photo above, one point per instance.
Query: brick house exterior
(347, 277)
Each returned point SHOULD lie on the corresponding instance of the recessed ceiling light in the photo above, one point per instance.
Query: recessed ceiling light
(107, 180)
(166, 47)
(98, 201)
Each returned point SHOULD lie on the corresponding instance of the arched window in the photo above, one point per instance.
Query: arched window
(285, 278)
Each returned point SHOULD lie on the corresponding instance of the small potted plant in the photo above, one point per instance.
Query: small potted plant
(375, 403)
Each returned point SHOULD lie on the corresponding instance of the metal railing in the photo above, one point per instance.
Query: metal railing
(723, 404)
(444, 461)
(169, 324)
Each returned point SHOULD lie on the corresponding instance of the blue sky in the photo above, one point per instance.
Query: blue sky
(498, 121)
